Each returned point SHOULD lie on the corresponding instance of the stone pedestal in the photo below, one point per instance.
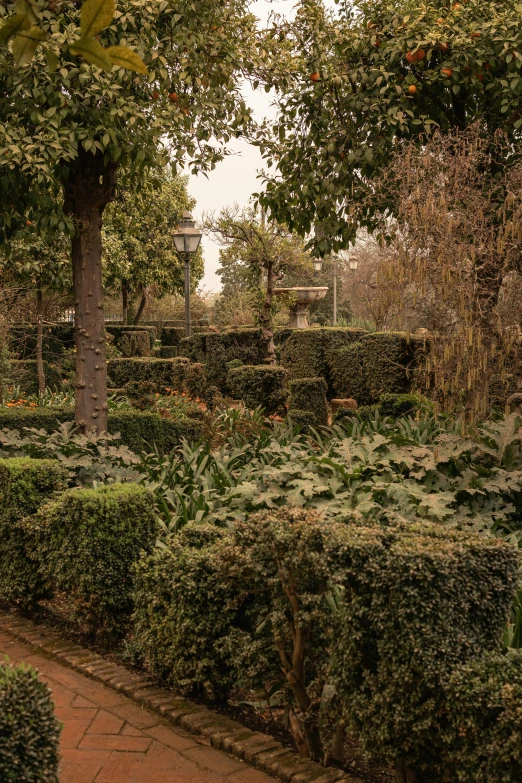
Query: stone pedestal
(348, 404)
(302, 299)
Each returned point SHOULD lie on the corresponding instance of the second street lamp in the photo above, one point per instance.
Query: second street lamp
(186, 241)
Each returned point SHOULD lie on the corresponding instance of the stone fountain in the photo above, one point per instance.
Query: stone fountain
(301, 298)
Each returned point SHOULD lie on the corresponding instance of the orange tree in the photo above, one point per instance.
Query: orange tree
(71, 130)
(365, 78)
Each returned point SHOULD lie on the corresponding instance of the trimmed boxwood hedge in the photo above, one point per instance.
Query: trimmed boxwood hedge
(156, 371)
(117, 331)
(309, 394)
(380, 363)
(171, 335)
(87, 542)
(419, 600)
(259, 385)
(309, 353)
(140, 431)
(56, 339)
(24, 373)
(482, 721)
(25, 484)
(135, 343)
(29, 729)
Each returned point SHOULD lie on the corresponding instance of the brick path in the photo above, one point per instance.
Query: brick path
(107, 738)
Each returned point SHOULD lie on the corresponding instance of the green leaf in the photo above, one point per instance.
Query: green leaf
(25, 45)
(52, 60)
(12, 27)
(96, 16)
(92, 50)
(25, 8)
(126, 58)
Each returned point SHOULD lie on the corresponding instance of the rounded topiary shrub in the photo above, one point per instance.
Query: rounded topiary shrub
(259, 386)
(29, 730)
(309, 394)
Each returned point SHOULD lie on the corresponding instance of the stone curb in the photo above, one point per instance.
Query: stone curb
(257, 749)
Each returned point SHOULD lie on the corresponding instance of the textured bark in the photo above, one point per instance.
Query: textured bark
(141, 308)
(125, 301)
(39, 342)
(405, 775)
(338, 752)
(88, 189)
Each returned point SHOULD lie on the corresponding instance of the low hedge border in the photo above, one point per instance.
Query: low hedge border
(138, 429)
(259, 750)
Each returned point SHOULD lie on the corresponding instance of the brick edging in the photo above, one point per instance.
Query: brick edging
(259, 750)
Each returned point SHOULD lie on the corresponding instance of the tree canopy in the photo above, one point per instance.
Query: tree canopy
(138, 244)
(367, 77)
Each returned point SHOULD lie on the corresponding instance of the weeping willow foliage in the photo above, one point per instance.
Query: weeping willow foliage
(456, 236)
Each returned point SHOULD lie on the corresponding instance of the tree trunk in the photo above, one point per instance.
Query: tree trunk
(141, 308)
(338, 740)
(88, 189)
(39, 342)
(265, 317)
(125, 301)
(405, 775)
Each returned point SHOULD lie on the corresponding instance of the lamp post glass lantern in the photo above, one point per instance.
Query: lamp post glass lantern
(186, 241)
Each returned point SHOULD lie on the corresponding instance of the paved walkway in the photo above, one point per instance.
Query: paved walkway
(107, 738)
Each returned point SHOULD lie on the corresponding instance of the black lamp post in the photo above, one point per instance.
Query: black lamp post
(186, 241)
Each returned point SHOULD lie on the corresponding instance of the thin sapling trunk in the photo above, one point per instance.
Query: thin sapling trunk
(141, 308)
(125, 301)
(39, 341)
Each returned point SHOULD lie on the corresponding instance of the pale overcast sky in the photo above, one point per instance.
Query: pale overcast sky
(235, 178)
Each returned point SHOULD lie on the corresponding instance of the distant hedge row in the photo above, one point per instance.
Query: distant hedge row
(140, 431)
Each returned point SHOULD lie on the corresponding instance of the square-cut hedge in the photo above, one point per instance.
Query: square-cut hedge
(25, 484)
(309, 394)
(156, 371)
(140, 431)
(259, 385)
(25, 374)
(171, 335)
(244, 344)
(194, 347)
(135, 343)
(380, 363)
(29, 729)
(56, 339)
(419, 600)
(117, 331)
(309, 353)
(87, 542)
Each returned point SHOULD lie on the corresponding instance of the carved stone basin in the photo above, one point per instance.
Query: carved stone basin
(302, 297)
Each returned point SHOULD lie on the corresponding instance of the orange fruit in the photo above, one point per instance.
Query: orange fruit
(412, 89)
(447, 72)
(315, 76)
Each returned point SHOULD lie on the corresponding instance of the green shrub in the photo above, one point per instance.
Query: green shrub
(29, 730)
(179, 371)
(195, 383)
(194, 347)
(171, 336)
(24, 374)
(305, 419)
(380, 363)
(87, 542)
(25, 484)
(364, 413)
(144, 431)
(158, 371)
(419, 600)
(349, 376)
(396, 405)
(309, 353)
(482, 720)
(184, 612)
(118, 330)
(135, 343)
(244, 344)
(140, 431)
(309, 394)
(56, 339)
(260, 385)
(167, 352)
